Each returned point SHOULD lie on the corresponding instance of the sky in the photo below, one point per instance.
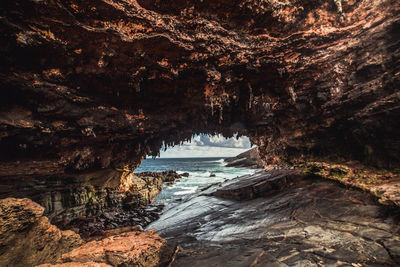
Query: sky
(208, 146)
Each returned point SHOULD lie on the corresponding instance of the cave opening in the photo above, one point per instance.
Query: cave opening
(202, 161)
(88, 89)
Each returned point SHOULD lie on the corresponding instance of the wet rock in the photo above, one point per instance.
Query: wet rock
(27, 238)
(108, 216)
(310, 222)
(259, 184)
(185, 174)
(89, 227)
(165, 176)
(150, 209)
(212, 175)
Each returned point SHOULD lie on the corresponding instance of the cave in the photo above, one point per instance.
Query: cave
(89, 89)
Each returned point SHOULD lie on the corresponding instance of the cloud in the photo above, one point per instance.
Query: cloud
(208, 146)
(219, 141)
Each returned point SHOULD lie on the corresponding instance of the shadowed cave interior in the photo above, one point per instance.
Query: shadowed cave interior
(88, 89)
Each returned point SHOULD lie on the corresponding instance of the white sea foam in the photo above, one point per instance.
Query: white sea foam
(200, 174)
(186, 190)
(222, 162)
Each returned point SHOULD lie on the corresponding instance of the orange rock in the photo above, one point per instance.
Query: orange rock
(76, 264)
(127, 249)
(27, 238)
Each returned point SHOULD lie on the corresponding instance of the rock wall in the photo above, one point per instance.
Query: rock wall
(88, 88)
(91, 194)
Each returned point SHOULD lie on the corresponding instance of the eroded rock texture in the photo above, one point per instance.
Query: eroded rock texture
(99, 200)
(94, 86)
(127, 249)
(27, 238)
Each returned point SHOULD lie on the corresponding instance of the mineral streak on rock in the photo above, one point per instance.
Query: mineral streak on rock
(94, 86)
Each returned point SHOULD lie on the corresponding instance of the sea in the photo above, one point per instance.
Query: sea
(201, 174)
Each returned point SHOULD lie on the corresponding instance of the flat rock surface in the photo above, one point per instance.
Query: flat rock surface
(312, 222)
(258, 184)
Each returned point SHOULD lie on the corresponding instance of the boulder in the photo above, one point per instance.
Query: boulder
(126, 249)
(27, 238)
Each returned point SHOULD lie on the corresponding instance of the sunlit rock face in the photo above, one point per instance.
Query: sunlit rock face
(147, 249)
(27, 238)
(88, 195)
(97, 85)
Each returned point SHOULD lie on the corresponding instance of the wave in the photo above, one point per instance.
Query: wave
(218, 160)
(221, 172)
(223, 163)
(206, 174)
(197, 173)
(186, 191)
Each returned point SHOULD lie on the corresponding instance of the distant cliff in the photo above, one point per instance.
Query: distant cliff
(248, 159)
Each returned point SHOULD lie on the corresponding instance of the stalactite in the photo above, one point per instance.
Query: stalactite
(250, 95)
(221, 114)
